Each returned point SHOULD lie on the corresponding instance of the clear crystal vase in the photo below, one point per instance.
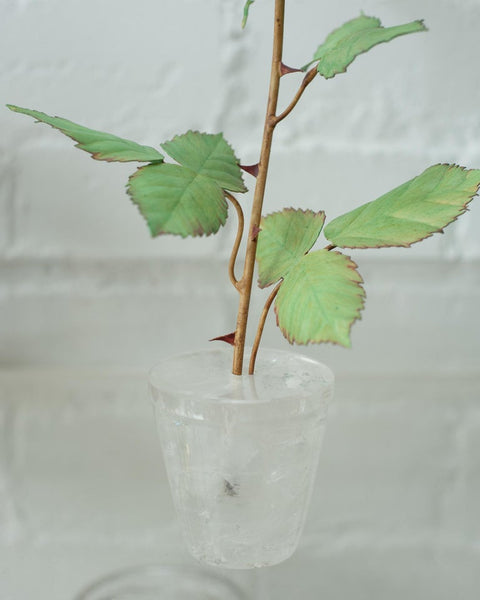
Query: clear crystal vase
(241, 452)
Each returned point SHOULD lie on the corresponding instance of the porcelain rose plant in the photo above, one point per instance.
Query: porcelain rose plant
(317, 293)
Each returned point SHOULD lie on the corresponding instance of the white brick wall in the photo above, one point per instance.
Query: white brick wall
(82, 287)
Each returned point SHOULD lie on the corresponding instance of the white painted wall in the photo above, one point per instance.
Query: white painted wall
(83, 286)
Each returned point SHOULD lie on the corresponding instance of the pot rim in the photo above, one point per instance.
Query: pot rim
(320, 379)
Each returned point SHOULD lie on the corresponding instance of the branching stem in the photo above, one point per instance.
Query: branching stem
(261, 325)
(309, 77)
(245, 283)
(238, 239)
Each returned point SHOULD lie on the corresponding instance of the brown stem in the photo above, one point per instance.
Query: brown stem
(309, 77)
(238, 239)
(245, 283)
(261, 325)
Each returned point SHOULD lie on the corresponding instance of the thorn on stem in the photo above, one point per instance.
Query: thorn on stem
(229, 338)
(251, 169)
(285, 69)
(255, 231)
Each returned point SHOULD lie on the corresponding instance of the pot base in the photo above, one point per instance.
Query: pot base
(162, 583)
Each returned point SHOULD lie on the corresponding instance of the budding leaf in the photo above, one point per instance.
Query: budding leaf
(320, 299)
(246, 8)
(102, 146)
(208, 155)
(355, 37)
(284, 238)
(178, 200)
(409, 213)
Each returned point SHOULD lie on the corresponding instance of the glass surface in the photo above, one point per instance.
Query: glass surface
(162, 583)
(241, 452)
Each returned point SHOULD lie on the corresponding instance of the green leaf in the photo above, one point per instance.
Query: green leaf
(209, 155)
(102, 146)
(188, 199)
(355, 37)
(320, 296)
(245, 12)
(320, 299)
(284, 238)
(178, 200)
(409, 213)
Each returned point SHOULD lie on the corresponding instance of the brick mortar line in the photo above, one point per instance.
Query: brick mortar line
(207, 277)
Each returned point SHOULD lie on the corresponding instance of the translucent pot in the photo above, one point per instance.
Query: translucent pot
(241, 452)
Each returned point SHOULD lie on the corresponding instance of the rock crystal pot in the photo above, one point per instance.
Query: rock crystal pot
(241, 452)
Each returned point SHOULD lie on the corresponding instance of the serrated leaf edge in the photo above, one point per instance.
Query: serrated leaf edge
(462, 211)
(79, 145)
(344, 70)
(358, 316)
(220, 133)
(156, 233)
(291, 209)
